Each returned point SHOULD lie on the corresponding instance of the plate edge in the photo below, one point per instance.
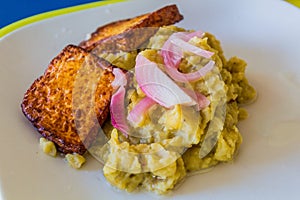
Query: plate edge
(39, 17)
(294, 2)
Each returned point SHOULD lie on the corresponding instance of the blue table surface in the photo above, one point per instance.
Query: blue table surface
(14, 10)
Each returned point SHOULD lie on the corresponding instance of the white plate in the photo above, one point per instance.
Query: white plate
(264, 33)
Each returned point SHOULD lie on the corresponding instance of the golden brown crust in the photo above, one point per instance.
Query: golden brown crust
(50, 106)
(123, 34)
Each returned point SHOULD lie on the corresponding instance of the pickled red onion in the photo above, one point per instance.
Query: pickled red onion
(120, 78)
(198, 34)
(135, 115)
(190, 48)
(172, 53)
(157, 85)
(117, 111)
(186, 36)
(202, 101)
(193, 76)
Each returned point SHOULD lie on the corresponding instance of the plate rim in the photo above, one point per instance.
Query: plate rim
(6, 30)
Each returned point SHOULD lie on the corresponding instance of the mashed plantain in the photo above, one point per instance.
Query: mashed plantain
(169, 143)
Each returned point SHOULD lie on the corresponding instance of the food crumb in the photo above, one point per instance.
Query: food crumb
(48, 147)
(75, 160)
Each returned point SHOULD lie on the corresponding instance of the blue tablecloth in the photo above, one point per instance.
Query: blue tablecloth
(14, 10)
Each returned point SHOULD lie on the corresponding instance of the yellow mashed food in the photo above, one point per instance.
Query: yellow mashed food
(169, 143)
